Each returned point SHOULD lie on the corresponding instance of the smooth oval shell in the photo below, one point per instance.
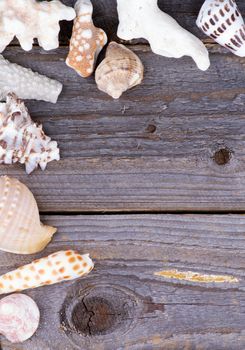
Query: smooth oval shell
(223, 22)
(119, 71)
(19, 317)
(21, 231)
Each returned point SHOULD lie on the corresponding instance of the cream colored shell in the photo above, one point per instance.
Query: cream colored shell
(21, 231)
(119, 71)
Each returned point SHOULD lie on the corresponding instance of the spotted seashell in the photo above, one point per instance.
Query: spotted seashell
(119, 71)
(21, 231)
(222, 21)
(55, 268)
(86, 42)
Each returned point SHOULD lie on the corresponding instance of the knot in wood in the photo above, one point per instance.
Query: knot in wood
(98, 310)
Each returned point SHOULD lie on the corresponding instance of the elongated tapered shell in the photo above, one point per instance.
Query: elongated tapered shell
(86, 42)
(119, 71)
(21, 231)
(222, 21)
(55, 268)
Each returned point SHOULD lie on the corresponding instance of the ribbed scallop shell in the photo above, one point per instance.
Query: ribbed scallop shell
(119, 71)
(222, 21)
(21, 231)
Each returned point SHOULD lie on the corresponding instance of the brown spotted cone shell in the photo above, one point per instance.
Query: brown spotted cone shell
(119, 71)
(21, 231)
(55, 268)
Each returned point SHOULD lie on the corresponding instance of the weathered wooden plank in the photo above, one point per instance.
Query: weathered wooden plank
(123, 305)
(154, 149)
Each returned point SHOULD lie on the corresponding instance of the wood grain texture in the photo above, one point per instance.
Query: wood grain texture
(154, 149)
(140, 310)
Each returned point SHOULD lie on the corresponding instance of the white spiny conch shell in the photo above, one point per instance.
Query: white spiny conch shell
(222, 21)
(21, 140)
(21, 231)
(144, 19)
(29, 19)
(119, 71)
(26, 84)
(55, 268)
(87, 40)
(19, 317)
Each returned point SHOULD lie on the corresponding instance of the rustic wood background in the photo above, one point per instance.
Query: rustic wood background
(153, 181)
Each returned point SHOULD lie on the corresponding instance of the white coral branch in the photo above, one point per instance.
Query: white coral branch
(144, 19)
(29, 19)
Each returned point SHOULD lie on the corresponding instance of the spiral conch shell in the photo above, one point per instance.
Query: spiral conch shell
(21, 231)
(119, 71)
(21, 140)
(222, 21)
(87, 40)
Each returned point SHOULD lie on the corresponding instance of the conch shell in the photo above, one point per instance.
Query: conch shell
(87, 40)
(222, 21)
(21, 231)
(55, 268)
(119, 71)
(144, 19)
(29, 19)
(21, 140)
(26, 84)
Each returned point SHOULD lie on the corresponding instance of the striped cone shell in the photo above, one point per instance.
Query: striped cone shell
(222, 21)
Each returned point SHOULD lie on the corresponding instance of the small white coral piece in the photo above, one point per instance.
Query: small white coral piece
(144, 19)
(29, 19)
(87, 40)
(222, 21)
(21, 140)
(26, 84)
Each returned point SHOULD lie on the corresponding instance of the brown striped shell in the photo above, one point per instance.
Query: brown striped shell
(223, 22)
(21, 231)
(119, 71)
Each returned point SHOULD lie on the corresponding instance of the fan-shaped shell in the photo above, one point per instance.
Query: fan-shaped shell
(119, 71)
(222, 21)
(21, 231)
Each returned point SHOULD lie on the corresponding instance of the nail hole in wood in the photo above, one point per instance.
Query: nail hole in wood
(222, 156)
(151, 128)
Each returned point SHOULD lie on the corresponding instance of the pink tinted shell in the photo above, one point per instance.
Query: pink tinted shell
(19, 317)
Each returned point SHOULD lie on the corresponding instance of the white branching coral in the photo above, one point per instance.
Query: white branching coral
(26, 84)
(144, 19)
(21, 140)
(29, 19)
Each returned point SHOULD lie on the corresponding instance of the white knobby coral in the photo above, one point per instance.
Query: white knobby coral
(29, 19)
(144, 19)
(26, 84)
(21, 140)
